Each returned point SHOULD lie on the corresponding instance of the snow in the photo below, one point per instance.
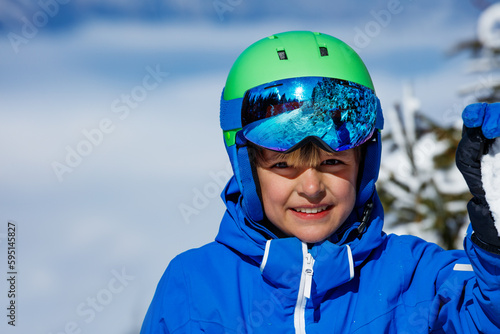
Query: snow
(450, 181)
(487, 28)
(421, 229)
(415, 186)
(410, 106)
(490, 170)
(396, 127)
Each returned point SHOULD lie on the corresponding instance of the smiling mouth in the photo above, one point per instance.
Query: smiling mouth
(311, 210)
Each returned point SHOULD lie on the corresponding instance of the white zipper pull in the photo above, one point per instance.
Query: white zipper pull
(299, 316)
(308, 270)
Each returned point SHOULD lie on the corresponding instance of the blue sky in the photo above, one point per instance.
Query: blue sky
(147, 185)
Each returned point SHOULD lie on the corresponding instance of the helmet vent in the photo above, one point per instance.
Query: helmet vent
(282, 55)
(323, 51)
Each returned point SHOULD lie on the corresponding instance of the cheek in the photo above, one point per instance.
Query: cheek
(344, 190)
(273, 192)
(345, 187)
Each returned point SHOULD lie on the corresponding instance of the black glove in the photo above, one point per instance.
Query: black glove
(481, 127)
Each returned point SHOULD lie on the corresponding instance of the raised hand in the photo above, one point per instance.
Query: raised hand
(481, 128)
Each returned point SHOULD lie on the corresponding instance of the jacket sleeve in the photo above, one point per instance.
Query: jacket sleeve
(486, 286)
(467, 296)
(168, 311)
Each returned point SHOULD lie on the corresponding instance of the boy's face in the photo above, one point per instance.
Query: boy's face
(310, 203)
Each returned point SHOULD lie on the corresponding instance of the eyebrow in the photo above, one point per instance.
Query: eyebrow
(338, 153)
(274, 157)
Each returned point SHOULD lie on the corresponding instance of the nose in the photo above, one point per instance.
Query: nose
(311, 184)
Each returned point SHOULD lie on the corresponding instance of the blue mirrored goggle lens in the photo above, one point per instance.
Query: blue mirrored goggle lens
(281, 114)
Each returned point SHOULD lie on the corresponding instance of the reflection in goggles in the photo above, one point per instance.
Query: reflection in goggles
(281, 114)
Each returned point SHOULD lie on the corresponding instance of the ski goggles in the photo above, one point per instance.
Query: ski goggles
(280, 115)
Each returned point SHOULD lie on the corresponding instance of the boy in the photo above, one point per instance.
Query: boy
(301, 248)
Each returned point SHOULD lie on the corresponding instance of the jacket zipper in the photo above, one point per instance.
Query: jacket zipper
(304, 290)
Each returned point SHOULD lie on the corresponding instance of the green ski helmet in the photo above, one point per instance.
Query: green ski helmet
(291, 88)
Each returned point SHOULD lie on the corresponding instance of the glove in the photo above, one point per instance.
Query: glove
(481, 127)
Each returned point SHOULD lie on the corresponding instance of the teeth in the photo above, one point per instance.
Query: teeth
(311, 210)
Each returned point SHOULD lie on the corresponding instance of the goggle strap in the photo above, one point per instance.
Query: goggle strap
(230, 137)
(230, 113)
(379, 121)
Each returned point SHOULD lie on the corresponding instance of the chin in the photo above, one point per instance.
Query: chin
(312, 238)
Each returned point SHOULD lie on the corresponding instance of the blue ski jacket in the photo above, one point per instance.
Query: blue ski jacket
(371, 283)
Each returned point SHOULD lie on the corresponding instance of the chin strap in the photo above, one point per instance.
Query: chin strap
(367, 212)
(353, 230)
